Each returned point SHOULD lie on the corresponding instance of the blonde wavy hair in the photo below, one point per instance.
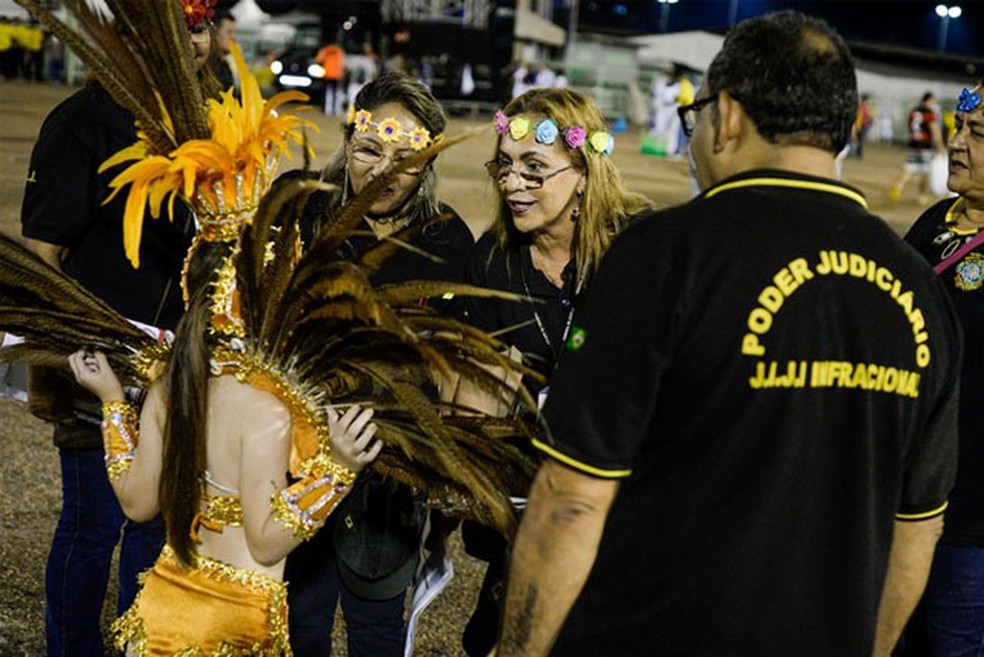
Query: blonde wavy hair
(607, 204)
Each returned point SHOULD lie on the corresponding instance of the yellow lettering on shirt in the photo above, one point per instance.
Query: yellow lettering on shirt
(835, 374)
(788, 279)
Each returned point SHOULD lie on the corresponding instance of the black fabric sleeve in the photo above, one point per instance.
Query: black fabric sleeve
(62, 194)
(931, 461)
(602, 398)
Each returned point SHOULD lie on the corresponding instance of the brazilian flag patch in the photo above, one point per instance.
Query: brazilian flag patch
(577, 339)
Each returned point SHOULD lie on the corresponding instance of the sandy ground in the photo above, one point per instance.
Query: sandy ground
(29, 482)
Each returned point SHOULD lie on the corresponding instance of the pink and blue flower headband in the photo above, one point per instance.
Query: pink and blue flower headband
(969, 100)
(546, 131)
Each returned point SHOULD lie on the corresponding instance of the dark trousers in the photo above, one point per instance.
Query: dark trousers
(482, 630)
(375, 628)
(77, 574)
(950, 618)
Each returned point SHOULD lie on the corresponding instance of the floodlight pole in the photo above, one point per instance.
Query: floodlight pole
(946, 13)
(733, 13)
(664, 14)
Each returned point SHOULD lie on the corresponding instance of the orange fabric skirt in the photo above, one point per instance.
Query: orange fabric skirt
(212, 609)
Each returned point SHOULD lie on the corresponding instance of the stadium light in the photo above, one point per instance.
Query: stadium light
(946, 13)
(664, 15)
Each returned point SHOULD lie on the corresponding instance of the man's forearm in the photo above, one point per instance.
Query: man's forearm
(553, 554)
(50, 253)
(913, 544)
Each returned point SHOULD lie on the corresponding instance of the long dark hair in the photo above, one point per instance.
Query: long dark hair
(186, 423)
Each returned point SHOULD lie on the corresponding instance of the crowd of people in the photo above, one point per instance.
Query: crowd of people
(22, 47)
(747, 415)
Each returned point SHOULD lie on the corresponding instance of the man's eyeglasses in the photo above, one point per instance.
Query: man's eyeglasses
(372, 155)
(199, 33)
(688, 113)
(534, 180)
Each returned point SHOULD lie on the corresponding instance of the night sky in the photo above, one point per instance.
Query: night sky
(909, 23)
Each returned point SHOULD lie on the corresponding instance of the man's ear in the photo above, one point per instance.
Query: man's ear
(731, 119)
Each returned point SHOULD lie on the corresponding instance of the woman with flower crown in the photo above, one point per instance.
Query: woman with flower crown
(561, 203)
(368, 562)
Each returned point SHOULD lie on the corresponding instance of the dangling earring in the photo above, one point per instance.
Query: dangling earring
(345, 186)
(576, 212)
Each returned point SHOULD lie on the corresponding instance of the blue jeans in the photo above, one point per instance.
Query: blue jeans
(78, 565)
(375, 628)
(954, 602)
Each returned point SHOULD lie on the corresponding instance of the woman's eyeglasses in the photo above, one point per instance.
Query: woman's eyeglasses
(688, 113)
(534, 180)
(371, 155)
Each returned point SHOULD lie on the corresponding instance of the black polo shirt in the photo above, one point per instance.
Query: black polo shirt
(537, 327)
(63, 205)
(936, 239)
(772, 375)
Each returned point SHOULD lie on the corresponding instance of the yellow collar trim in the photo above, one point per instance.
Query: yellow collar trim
(786, 182)
(951, 223)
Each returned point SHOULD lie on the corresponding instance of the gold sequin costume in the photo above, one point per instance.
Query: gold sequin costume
(216, 609)
(211, 610)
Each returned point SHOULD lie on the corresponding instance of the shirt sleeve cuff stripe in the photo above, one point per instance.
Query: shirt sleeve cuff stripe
(924, 515)
(577, 465)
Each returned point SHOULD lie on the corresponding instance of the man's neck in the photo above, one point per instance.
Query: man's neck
(804, 160)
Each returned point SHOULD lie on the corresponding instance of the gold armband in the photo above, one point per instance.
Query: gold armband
(120, 427)
(303, 506)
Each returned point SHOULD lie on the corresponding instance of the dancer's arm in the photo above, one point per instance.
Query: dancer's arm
(278, 515)
(133, 449)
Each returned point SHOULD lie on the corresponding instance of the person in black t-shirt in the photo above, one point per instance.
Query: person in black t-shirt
(221, 61)
(368, 559)
(65, 222)
(756, 405)
(561, 202)
(951, 618)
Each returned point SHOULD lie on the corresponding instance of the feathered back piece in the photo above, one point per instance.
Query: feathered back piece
(56, 316)
(322, 323)
(317, 325)
(143, 58)
(218, 156)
